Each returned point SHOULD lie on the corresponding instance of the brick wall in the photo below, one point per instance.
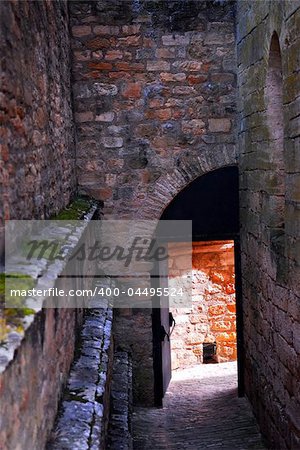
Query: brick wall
(37, 134)
(269, 86)
(31, 384)
(211, 318)
(154, 85)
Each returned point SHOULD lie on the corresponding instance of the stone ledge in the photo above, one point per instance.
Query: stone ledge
(45, 275)
(120, 431)
(82, 417)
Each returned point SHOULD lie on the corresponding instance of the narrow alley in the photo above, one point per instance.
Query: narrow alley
(201, 411)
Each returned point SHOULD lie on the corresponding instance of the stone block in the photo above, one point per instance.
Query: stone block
(84, 116)
(189, 66)
(165, 53)
(161, 114)
(133, 41)
(99, 43)
(154, 66)
(194, 126)
(172, 77)
(214, 38)
(105, 117)
(81, 30)
(106, 30)
(219, 125)
(175, 39)
(100, 65)
(132, 90)
(112, 55)
(131, 29)
(112, 142)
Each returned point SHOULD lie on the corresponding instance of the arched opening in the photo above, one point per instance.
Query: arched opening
(275, 193)
(211, 202)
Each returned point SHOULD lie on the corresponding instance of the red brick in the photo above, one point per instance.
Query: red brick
(225, 337)
(221, 325)
(106, 30)
(4, 152)
(81, 30)
(148, 42)
(190, 66)
(165, 53)
(129, 66)
(113, 54)
(129, 40)
(95, 75)
(161, 114)
(156, 102)
(216, 310)
(99, 43)
(132, 90)
(231, 308)
(131, 29)
(196, 79)
(177, 113)
(171, 77)
(100, 66)
(118, 75)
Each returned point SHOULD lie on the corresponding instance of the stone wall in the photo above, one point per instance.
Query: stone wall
(211, 318)
(154, 85)
(35, 357)
(31, 384)
(37, 134)
(268, 44)
(155, 103)
(83, 415)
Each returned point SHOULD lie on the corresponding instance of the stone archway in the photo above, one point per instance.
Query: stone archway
(134, 328)
(167, 187)
(211, 202)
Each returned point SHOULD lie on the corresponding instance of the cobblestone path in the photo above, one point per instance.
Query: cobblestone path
(201, 411)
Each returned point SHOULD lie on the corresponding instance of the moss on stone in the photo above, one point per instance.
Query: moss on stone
(11, 319)
(75, 210)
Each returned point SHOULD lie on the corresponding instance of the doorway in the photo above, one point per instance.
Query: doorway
(211, 202)
(205, 332)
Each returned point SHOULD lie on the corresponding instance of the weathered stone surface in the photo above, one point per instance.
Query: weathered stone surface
(154, 79)
(175, 39)
(37, 129)
(269, 203)
(83, 415)
(153, 66)
(219, 125)
(120, 426)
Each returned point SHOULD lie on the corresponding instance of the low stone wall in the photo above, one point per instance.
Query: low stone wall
(31, 384)
(82, 419)
(35, 360)
(120, 431)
